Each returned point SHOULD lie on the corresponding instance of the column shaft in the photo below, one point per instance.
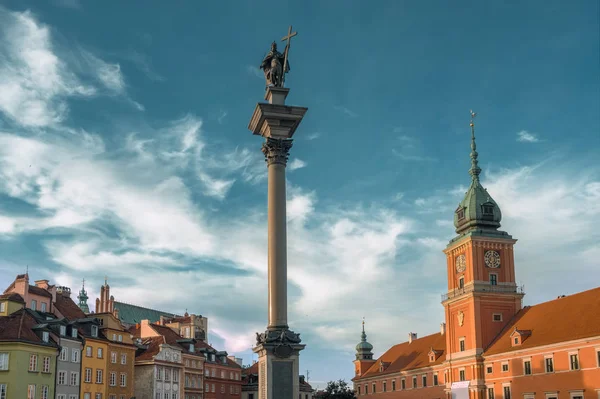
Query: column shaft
(277, 247)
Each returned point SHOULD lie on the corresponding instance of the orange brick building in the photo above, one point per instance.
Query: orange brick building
(490, 347)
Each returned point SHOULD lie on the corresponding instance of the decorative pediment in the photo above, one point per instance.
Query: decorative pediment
(383, 365)
(434, 354)
(517, 337)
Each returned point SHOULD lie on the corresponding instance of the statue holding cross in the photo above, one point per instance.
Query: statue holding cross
(275, 64)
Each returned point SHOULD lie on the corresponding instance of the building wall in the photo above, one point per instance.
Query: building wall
(95, 363)
(164, 383)
(10, 307)
(193, 382)
(18, 377)
(120, 369)
(223, 382)
(144, 381)
(69, 367)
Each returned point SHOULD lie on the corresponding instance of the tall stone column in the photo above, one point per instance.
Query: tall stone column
(278, 348)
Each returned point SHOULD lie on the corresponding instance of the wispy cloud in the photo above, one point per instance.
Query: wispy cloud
(313, 136)
(143, 63)
(408, 148)
(34, 82)
(296, 164)
(222, 116)
(255, 71)
(345, 110)
(527, 137)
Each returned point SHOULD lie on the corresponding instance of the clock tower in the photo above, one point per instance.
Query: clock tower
(482, 291)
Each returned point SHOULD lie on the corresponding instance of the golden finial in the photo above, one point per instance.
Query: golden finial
(473, 115)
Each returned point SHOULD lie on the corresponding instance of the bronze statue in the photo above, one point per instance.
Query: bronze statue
(272, 67)
(275, 64)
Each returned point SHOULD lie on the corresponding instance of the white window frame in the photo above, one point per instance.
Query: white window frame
(45, 336)
(73, 332)
(504, 386)
(46, 364)
(43, 307)
(100, 353)
(113, 357)
(63, 331)
(74, 379)
(87, 395)
(89, 351)
(576, 354)
(86, 379)
(464, 372)
(64, 354)
(464, 344)
(94, 331)
(120, 338)
(2, 307)
(494, 317)
(62, 378)
(4, 361)
(123, 379)
(73, 396)
(502, 367)
(528, 359)
(33, 306)
(3, 391)
(123, 358)
(75, 358)
(61, 396)
(31, 391)
(550, 395)
(99, 376)
(574, 394)
(113, 379)
(546, 365)
(33, 362)
(44, 394)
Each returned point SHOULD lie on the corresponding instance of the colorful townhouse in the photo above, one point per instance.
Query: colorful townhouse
(28, 352)
(94, 361)
(490, 346)
(36, 296)
(120, 355)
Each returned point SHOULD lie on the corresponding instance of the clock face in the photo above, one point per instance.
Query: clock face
(461, 263)
(492, 259)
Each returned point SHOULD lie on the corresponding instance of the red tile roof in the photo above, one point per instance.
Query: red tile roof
(68, 308)
(153, 348)
(559, 320)
(39, 291)
(18, 327)
(409, 356)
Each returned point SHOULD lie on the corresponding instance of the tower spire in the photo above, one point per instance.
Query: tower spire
(83, 298)
(475, 169)
(364, 349)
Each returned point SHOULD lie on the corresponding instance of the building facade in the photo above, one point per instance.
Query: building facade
(28, 353)
(490, 346)
(94, 362)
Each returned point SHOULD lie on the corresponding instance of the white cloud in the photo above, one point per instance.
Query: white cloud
(255, 71)
(296, 164)
(527, 137)
(345, 110)
(33, 80)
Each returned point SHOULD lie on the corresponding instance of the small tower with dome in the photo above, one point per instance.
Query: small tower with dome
(364, 354)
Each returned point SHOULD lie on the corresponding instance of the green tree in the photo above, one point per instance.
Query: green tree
(337, 390)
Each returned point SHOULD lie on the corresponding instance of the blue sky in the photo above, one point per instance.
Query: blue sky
(124, 150)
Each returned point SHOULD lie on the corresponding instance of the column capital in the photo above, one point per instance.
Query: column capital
(276, 150)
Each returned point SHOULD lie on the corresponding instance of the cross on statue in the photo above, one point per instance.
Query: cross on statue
(288, 37)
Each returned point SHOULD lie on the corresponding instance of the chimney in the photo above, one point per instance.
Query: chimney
(162, 320)
(443, 328)
(42, 284)
(411, 337)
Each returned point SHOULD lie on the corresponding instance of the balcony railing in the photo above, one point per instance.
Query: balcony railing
(510, 289)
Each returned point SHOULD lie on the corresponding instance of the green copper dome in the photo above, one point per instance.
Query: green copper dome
(478, 210)
(363, 349)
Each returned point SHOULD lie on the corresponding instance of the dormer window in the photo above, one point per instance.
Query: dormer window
(460, 213)
(95, 331)
(191, 347)
(63, 331)
(488, 210)
(45, 336)
(74, 333)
